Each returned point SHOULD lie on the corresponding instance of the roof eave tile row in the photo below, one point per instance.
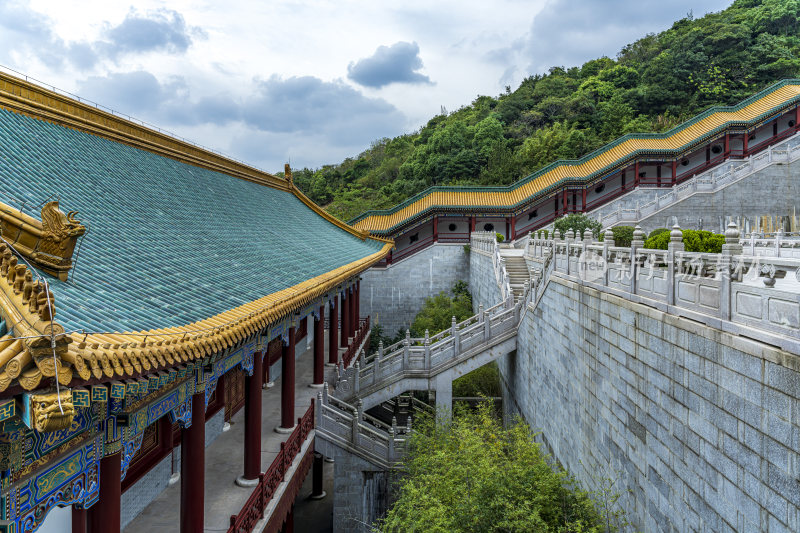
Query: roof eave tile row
(109, 355)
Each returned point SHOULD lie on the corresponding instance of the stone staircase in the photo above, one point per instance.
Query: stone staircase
(517, 270)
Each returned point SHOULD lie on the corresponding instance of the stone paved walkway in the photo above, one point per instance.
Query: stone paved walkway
(225, 459)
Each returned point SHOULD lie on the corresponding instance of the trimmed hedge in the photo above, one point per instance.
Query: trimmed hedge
(693, 240)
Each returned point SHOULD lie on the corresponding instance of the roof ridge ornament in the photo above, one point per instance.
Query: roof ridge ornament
(60, 234)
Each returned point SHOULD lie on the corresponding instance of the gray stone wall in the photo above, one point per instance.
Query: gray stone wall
(482, 281)
(700, 428)
(361, 491)
(393, 296)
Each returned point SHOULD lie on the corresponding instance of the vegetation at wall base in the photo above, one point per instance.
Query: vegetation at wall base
(438, 311)
(474, 475)
(652, 85)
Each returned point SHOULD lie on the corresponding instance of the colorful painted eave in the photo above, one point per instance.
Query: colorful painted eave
(671, 144)
(28, 359)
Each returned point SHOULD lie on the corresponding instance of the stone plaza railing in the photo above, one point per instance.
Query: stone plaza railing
(349, 427)
(727, 290)
(707, 182)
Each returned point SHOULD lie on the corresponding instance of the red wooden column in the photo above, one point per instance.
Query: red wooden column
(472, 221)
(319, 348)
(78, 520)
(252, 425)
(358, 302)
(193, 459)
(727, 151)
(797, 118)
(105, 515)
(333, 332)
(512, 230)
(353, 311)
(564, 201)
(435, 229)
(674, 172)
(583, 203)
(287, 386)
(635, 174)
(345, 318)
(745, 140)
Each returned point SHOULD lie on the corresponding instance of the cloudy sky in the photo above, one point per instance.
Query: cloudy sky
(310, 82)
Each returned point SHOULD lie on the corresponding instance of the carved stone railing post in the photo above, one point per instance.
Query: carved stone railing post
(456, 337)
(427, 345)
(778, 239)
(356, 420)
(376, 369)
(480, 313)
(407, 350)
(357, 377)
(608, 242)
(731, 249)
(570, 238)
(673, 248)
(390, 449)
(487, 326)
(636, 244)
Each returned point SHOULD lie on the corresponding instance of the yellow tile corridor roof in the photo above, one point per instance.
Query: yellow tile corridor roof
(673, 143)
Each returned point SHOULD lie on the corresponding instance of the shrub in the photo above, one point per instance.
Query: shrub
(693, 240)
(623, 235)
(483, 381)
(658, 231)
(500, 237)
(474, 474)
(467, 249)
(576, 222)
(438, 311)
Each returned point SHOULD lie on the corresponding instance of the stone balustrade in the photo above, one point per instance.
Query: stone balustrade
(726, 290)
(349, 427)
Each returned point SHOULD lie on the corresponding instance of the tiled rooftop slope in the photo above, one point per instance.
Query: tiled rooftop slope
(609, 158)
(168, 243)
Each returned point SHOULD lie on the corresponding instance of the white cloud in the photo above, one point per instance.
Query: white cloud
(268, 80)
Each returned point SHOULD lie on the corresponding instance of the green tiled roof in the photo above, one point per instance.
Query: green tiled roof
(168, 243)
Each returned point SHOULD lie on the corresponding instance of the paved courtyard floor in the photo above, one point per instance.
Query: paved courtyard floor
(225, 459)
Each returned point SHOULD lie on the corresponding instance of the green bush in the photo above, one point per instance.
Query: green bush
(467, 249)
(576, 222)
(483, 381)
(658, 231)
(438, 311)
(693, 240)
(623, 235)
(500, 237)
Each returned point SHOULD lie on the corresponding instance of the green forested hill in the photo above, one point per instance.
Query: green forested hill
(652, 85)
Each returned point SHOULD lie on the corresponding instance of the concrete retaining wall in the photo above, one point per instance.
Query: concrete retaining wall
(393, 296)
(701, 427)
(482, 281)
